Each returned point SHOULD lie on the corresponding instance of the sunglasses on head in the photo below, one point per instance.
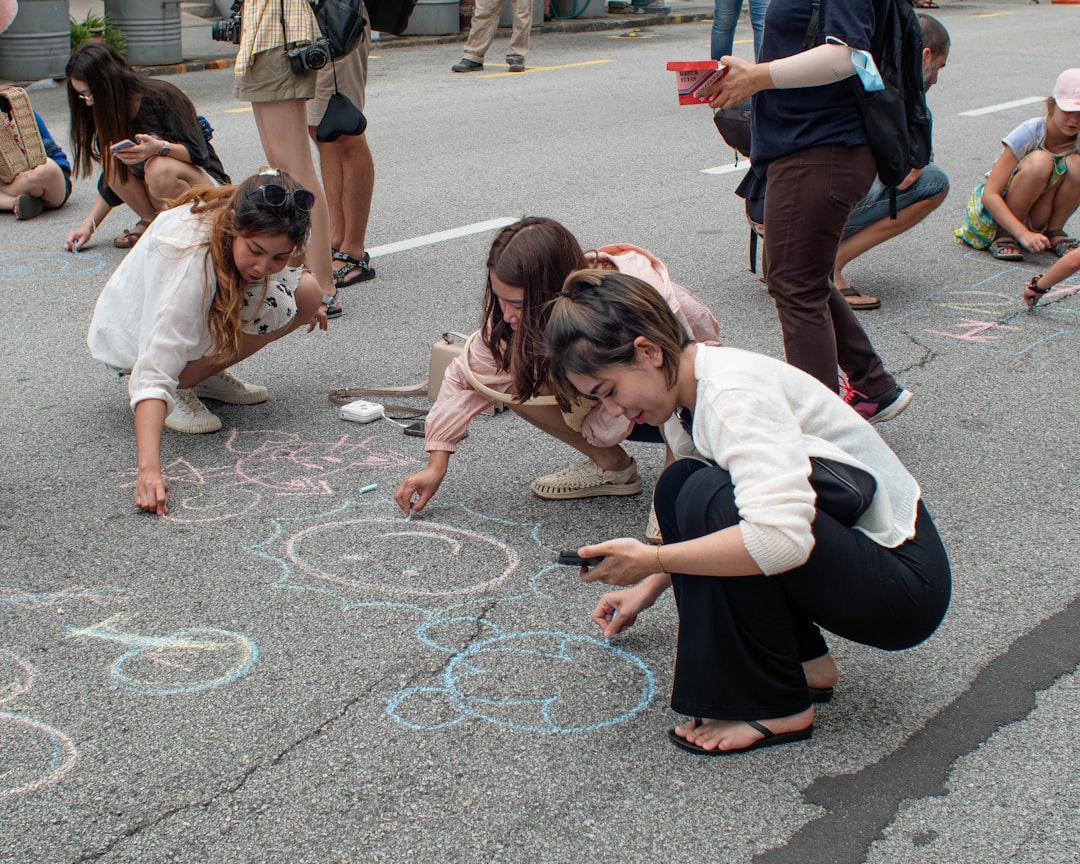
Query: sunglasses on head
(276, 196)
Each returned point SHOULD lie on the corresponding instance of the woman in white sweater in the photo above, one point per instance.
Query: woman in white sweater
(756, 441)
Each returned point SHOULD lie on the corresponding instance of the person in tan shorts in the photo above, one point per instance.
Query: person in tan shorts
(348, 171)
(278, 96)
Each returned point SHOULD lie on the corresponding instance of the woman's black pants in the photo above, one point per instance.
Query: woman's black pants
(742, 640)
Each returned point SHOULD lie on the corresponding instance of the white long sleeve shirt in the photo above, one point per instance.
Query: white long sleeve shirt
(762, 420)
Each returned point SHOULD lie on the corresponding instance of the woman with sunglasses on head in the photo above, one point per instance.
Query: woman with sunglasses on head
(208, 286)
(143, 131)
(785, 514)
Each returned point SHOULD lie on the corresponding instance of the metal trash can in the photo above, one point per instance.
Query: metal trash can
(152, 28)
(38, 42)
(434, 18)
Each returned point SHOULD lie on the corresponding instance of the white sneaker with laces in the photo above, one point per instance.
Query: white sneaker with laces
(190, 416)
(226, 387)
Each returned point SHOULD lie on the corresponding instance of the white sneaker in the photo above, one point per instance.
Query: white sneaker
(226, 387)
(191, 416)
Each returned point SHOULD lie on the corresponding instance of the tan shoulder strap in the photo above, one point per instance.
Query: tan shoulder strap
(491, 392)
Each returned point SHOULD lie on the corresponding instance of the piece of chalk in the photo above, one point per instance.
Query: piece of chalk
(371, 487)
(409, 517)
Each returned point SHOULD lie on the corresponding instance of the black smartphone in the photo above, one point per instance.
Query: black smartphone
(570, 558)
(416, 429)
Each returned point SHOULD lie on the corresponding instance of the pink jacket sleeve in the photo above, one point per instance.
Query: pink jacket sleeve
(458, 402)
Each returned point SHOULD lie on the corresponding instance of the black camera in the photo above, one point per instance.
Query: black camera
(229, 29)
(312, 56)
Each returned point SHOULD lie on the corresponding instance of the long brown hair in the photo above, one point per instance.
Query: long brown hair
(116, 89)
(535, 255)
(241, 211)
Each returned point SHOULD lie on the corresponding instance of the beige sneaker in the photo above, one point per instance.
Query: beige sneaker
(586, 480)
(652, 530)
(226, 387)
(191, 416)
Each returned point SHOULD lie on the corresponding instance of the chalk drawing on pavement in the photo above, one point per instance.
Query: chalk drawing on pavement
(990, 314)
(19, 265)
(33, 754)
(97, 596)
(266, 462)
(534, 681)
(187, 661)
(363, 554)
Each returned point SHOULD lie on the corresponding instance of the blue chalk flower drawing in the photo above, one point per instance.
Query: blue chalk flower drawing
(536, 681)
(16, 264)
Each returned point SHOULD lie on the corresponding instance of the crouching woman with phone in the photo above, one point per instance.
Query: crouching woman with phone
(758, 563)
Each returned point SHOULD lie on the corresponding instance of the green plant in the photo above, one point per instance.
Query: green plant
(96, 28)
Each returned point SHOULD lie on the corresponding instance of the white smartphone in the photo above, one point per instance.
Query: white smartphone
(122, 145)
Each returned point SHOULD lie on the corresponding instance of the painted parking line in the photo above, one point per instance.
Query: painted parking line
(1002, 106)
(529, 69)
(441, 236)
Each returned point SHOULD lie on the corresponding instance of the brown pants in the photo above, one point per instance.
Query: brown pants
(807, 203)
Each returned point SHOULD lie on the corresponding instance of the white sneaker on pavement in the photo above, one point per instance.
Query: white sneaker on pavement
(190, 416)
(226, 387)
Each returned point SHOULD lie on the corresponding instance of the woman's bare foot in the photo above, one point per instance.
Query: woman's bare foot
(821, 672)
(738, 735)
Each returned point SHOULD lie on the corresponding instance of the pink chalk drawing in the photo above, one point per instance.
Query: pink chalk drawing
(983, 332)
(266, 461)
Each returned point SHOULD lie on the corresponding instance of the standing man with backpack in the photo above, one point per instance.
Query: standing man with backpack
(921, 193)
(810, 141)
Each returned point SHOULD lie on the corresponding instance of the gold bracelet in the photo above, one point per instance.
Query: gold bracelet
(660, 563)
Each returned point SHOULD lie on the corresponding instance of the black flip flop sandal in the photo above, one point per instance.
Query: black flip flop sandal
(771, 739)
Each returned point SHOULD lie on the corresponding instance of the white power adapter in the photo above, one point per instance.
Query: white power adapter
(361, 412)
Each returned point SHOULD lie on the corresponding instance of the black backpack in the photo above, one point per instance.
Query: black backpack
(897, 121)
(389, 16)
(341, 22)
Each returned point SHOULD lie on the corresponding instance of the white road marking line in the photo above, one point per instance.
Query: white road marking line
(440, 236)
(1002, 106)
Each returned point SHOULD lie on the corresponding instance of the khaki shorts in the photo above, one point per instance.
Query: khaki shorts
(271, 79)
(351, 80)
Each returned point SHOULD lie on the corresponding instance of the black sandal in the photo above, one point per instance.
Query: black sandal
(354, 271)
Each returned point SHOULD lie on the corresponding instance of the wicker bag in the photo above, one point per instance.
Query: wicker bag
(21, 147)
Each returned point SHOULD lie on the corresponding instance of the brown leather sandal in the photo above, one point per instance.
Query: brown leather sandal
(859, 301)
(131, 236)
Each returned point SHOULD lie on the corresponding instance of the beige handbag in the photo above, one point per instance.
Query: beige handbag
(443, 352)
(21, 147)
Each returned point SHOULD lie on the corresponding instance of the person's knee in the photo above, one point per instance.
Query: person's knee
(1036, 166)
(693, 499)
(162, 178)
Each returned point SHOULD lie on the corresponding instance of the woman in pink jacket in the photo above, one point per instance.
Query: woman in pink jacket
(505, 361)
